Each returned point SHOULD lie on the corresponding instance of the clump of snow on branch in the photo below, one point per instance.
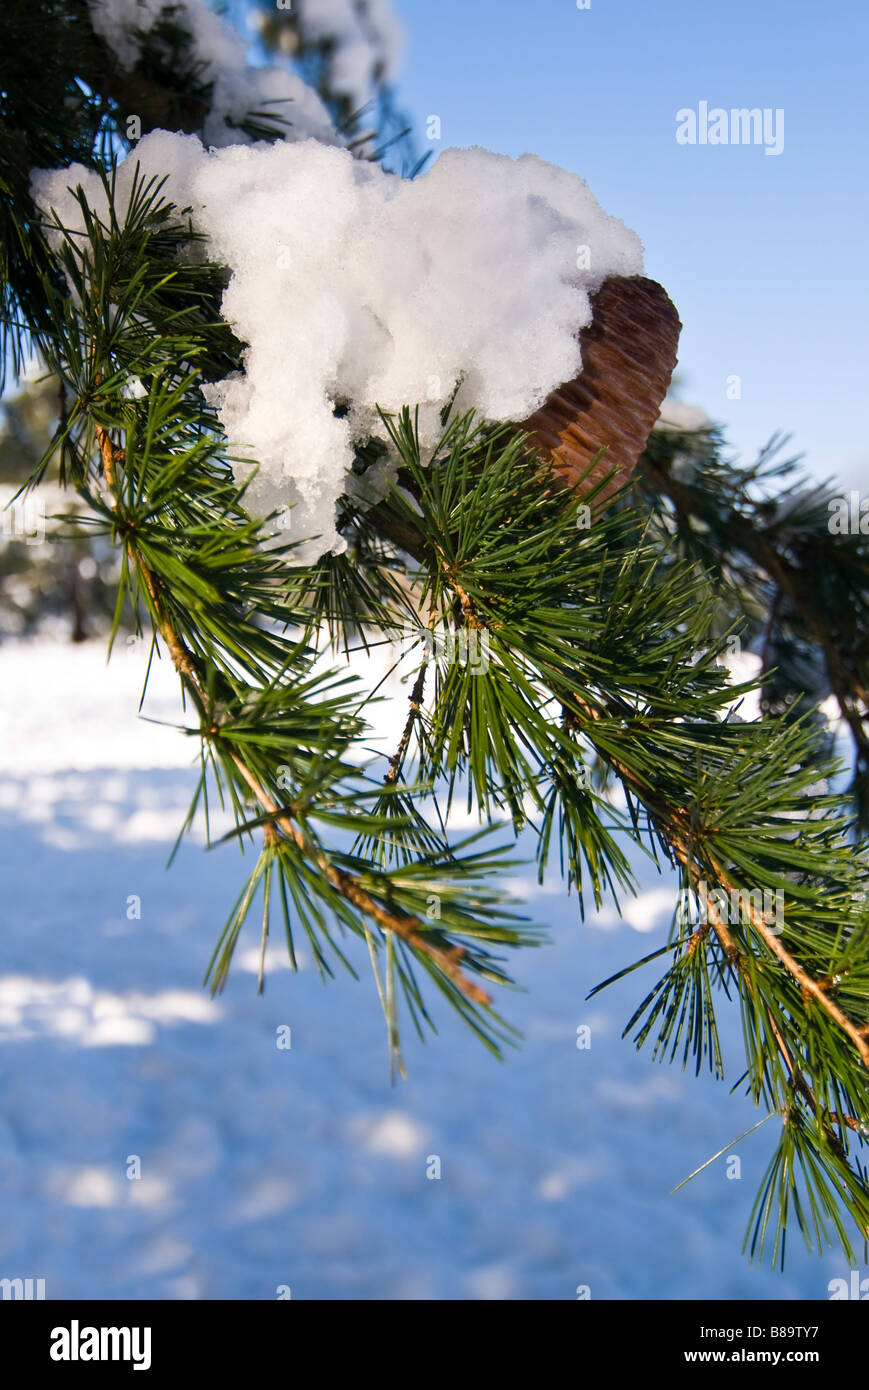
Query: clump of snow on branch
(363, 42)
(352, 287)
(220, 56)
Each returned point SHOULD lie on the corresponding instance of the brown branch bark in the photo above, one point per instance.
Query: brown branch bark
(416, 695)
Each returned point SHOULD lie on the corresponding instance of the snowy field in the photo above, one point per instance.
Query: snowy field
(264, 1167)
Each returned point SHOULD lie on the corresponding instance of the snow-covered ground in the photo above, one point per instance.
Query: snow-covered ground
(264, 1167)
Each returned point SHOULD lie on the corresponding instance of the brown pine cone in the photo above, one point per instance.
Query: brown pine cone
(628, 354)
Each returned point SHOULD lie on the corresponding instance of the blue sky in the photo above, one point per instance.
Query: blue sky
(763, 255)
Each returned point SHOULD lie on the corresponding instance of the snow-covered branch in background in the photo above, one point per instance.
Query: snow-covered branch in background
(219, 55)
(362, 40)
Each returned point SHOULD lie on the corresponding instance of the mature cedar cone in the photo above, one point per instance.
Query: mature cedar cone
(628, 355)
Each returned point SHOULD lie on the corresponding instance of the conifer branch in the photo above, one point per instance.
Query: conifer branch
(396, 762)
(409, 928)
(685, 841)
(717, 924)
(814, 988)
